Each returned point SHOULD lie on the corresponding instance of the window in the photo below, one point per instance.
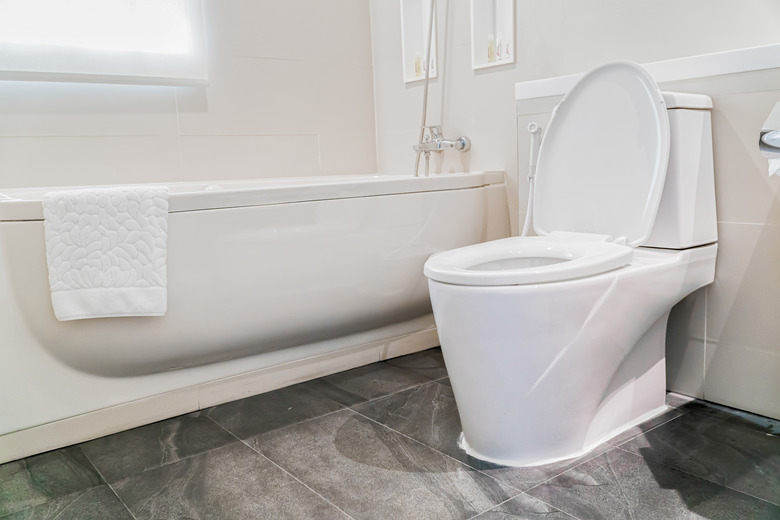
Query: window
(107, 41)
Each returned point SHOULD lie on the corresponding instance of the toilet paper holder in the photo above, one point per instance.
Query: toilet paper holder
(769, 138)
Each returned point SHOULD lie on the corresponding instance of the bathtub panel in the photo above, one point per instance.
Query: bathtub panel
(250, 289)
(244, 281)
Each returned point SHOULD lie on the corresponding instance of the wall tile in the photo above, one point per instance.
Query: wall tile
(744, 191)
(73, 109)
(336, 31)
(262, 96)
(685, 345)
(247, 157)
(67, 161)
(360, 148)
(743, 354)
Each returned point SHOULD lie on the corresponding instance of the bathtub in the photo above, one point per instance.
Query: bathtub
(270, 283)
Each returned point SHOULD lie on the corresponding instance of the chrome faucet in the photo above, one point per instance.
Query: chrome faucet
(434, 142)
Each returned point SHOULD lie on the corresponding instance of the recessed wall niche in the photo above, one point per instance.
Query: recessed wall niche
(414, 39)
(492, 33)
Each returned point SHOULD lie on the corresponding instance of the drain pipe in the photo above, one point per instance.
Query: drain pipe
(425, 94)
(536, 140)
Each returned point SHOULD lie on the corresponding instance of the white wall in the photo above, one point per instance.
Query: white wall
(290, 93)
(722, 342)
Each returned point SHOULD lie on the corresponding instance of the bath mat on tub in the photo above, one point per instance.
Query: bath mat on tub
(106, 249)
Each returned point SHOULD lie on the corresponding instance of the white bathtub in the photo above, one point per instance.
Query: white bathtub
(270, 282)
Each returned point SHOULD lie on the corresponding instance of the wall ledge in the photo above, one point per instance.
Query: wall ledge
(693, 67)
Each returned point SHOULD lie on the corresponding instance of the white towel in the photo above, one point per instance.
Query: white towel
(106, 249)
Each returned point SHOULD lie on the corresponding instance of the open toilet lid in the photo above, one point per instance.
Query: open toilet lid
(603, 159)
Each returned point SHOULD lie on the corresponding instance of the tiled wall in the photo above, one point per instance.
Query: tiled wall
(723, 342)
(290, 94)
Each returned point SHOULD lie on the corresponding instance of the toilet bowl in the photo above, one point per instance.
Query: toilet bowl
(555, 343)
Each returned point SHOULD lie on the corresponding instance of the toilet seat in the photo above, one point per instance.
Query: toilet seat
(528, 260)
(601, 171)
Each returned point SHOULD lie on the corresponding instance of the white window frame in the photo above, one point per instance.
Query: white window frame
(24, 62)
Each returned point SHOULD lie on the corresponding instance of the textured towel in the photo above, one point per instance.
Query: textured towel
(106, 250)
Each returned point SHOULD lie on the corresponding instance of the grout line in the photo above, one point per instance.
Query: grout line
(396, 392)
(296, 478)
(611, 448)
(682, 413)
(242, 441)
(681, 470)
(121, 501)
(461, 463)
(476, 517)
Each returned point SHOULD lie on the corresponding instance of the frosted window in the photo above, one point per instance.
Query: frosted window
(118, 41)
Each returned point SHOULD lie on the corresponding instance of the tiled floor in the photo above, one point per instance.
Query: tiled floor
(378, 442)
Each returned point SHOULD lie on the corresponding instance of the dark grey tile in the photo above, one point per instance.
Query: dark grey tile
(229, 482)
(734, 416)
(645, 427)
(134, 451)
(97, 503)
(367, 382)
(272, 410)
(527, 477)
(429, 414)
(678, 400)
(370, 471)
(720, 451)
(524, 507)
(428, 363)
(619, 484)
(32, 481)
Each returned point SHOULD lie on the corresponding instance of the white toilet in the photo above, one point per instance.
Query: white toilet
(555, 343)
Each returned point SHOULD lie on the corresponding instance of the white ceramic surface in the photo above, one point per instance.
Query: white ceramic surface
(543, 372)
(603, 159)
(549, 359)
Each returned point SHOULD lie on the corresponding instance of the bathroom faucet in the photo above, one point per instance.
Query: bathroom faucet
(434, 142)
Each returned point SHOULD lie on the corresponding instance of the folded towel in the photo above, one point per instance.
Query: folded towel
(106, 249)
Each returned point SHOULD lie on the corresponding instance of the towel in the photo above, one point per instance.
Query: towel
(106, 249)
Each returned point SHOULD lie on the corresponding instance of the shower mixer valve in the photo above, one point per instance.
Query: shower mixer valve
(434, 142)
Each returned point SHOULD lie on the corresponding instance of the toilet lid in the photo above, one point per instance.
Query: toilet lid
(603, 158)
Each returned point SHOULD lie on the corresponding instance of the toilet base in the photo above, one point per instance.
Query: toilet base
(464, 445)
(546, 372)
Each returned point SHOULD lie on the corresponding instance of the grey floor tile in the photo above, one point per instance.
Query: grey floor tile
(428, 363)
(429, 414)
(731, 415)
(723, 452)
(265, 412)
(645, 427)
(134, 451)
(619, 484)
(678, 400)
(35, 480)
(226, 483)
(524, 507)
(370, 471)
(97, 503)
(368, 382)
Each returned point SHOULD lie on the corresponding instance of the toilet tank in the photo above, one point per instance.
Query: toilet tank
(686, 214)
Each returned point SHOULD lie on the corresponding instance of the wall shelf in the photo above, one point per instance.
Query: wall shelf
(414, 39)
(492, 33)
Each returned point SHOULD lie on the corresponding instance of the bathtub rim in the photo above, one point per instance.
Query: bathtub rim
(24, 204)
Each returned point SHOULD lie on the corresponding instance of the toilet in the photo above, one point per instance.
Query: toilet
(555, 343)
